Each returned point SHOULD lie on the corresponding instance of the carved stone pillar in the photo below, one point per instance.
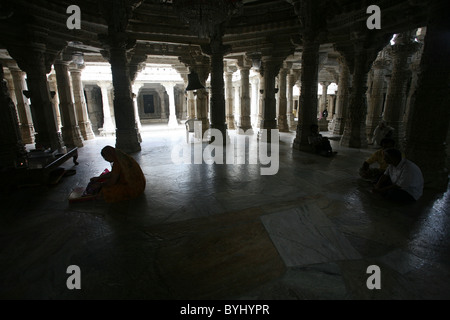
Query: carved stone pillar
(332, 106)
(190, 105)
(23, 109)
(55, 99)
(12, 148)
(11, 88)
(291, 80)
(237, 103)
(173, 122)
(202, 97)
(260, 100)
(415, 70)
(70, 131)
(395, 100)
(135, 91)
(108, 125)
(308, 96)
(313, 21)
(298, 83)
(230, 98)
(127, 135)
(33, 59)
(201, 103)
(80, 103)
(360, 57)
(376, 95)
(245, 119)
(354, 135)
(282, 101)
(94, 108)
(271, 68)
(254, 101)
(136, 65)
(430, 119)
(117, 44)
(323, 99)
(184, 102)
(217, 107)
(162, 94)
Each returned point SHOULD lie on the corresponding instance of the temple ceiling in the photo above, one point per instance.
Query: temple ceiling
(157, 27)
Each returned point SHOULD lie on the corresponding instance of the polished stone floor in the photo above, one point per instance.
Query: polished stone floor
(224, 231)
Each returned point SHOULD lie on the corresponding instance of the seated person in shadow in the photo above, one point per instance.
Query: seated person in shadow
(381, 132)
(320, 145)
(125, 181)
(373, 174)
(402, 181)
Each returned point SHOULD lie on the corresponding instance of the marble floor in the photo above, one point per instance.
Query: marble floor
(224, 231)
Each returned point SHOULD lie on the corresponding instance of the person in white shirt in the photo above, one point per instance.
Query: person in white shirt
(402, 180)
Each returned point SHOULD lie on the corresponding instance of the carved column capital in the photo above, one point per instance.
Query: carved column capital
(30, 58)
(136, 65)
(272, 64)
(244, 62)
(380, 63)
(399, 50)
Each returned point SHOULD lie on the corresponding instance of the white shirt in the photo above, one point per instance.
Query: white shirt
(408, 176)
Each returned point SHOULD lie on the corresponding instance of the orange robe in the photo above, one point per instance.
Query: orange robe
(131, 182)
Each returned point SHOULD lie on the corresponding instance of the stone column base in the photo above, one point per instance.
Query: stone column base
(268, 125)
(245, 123)
(86, 130)
(258, 122)
(301, 140)
(205, 124)
(72, 136)
(230, 122)
(27, 133)
(106, 132)
(283, 123)
(355, 136)
(223, 130)
(127, 140)
(173, 122)
(270, 137)
(245, 131)
(338, 126)
(297, 145)
(291, 121)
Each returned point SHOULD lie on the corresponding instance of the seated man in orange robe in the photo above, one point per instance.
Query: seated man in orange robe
(125, 181)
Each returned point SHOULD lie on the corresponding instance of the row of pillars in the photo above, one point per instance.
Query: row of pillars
(427, 117)
(67, 99)
(425, 145)
(282, 120)
(248, 101)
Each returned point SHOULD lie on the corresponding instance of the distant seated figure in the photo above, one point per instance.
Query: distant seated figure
(320, 145)
(403, 179)
(373, 174)
(125, 181)
(381, 132)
